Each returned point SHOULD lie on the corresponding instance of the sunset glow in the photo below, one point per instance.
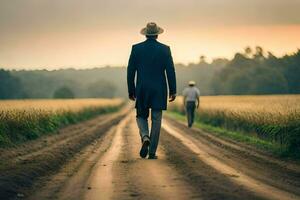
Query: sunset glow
(60, 34)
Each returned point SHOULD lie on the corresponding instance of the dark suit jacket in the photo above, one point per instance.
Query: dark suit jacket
(151, 61)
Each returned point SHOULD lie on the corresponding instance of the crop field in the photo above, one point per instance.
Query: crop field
(56, 105)
(22, 120)
(274, 118)
(45, 155)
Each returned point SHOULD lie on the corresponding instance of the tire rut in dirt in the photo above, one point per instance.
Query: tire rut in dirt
(206, 180)
(101, 176)
(70, 181)
(269, 170)
(124, 183)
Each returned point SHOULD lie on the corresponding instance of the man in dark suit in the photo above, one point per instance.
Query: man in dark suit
(151, 61)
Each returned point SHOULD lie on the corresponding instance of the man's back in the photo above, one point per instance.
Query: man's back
(191, 93)
(150, 60)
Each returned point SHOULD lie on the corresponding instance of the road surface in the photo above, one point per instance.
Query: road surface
(99, 159)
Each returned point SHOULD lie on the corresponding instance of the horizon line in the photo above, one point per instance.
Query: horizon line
(124, 66)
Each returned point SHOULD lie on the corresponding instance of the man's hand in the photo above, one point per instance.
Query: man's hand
(198, 102)
(132, 97)
(172, 97)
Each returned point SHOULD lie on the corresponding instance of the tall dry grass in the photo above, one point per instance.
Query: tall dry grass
(271, 117)
(22, 120)
(56, 105)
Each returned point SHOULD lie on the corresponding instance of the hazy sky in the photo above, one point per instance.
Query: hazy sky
(87, 33)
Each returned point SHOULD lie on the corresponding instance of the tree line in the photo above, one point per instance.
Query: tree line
(52, 84)
(252, 71)
(259, 72)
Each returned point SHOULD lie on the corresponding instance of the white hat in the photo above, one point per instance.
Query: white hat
(192, 83)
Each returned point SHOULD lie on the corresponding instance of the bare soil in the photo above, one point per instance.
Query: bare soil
(99, 159)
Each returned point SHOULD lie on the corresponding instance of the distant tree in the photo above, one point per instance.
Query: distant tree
(271, 55)
(259, 53)
(10, 86)
(267, 80)
(238, 83)
(257, 75)
(219, 63)
(259, 50)
(202, 59)
(248, 52)
(290, 67)
(240, 61)
(63, 93)
(272, 61)
(102, 89)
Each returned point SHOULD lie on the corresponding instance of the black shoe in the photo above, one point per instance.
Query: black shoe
(145, 146)
(151, 156)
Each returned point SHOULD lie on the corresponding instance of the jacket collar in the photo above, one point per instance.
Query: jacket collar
(151, 40)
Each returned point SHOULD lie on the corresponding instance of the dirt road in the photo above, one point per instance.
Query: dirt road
(192, 164)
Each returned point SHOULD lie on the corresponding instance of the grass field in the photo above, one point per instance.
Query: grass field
(274, 118)
(23, 120)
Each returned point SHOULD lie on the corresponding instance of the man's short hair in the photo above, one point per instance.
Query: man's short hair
(151, 36)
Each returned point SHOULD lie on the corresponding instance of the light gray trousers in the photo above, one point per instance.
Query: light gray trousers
(142, 122)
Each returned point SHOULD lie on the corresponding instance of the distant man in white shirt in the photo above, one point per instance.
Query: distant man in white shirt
(191, 100)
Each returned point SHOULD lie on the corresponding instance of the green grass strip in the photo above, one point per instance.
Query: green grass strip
(268, 146)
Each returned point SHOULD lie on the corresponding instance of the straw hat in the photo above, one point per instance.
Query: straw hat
(152, 29)
(192, 83)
